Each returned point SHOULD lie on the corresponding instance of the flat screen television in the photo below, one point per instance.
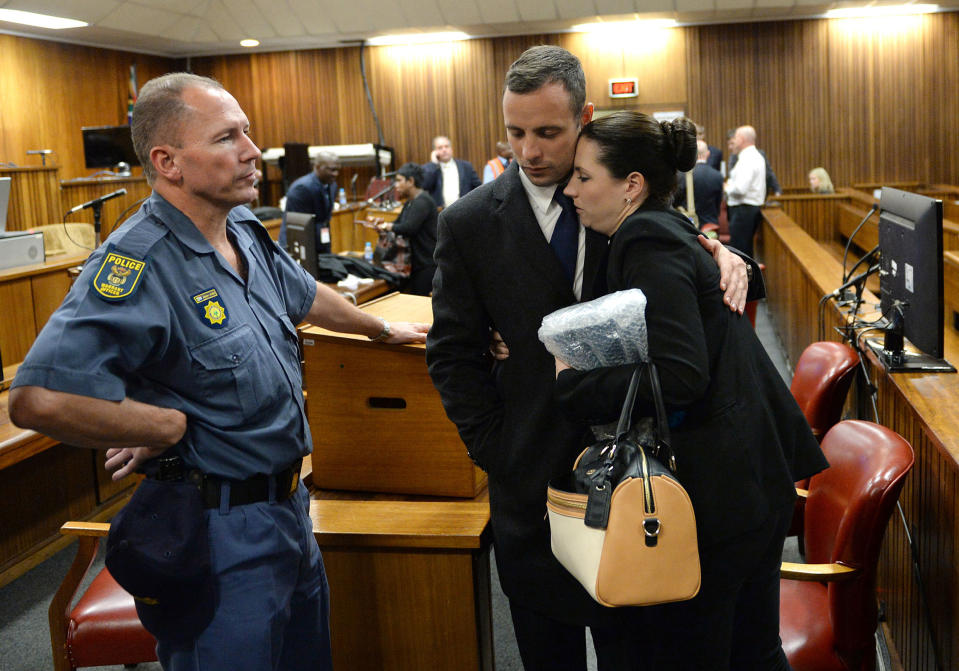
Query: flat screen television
(107, 146)
(910, 280)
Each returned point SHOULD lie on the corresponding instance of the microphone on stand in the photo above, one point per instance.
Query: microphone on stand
(98, 200)
(855, 280)
(353, 185)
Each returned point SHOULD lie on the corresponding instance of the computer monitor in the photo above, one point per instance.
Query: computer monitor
(910, 280)
(301, 240)
(107, 146)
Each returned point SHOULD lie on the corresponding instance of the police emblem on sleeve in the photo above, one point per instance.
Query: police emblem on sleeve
(211, 308)
(118, 276)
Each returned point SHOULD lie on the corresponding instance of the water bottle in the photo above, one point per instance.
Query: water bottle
(368, 252)
(342, 197)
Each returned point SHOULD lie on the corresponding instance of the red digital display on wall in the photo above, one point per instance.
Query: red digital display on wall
(623, 88)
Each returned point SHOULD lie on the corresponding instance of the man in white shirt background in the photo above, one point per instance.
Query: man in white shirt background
(745, 189)
(446, 178)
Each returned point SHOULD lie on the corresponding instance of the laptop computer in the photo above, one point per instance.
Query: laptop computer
(4, 202)
(301, 240)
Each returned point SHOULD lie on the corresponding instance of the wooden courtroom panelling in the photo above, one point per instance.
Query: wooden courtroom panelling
(80, 191)
(17, 328)
(817, 214)
(950, 272)
(34, 196)
(51, 89)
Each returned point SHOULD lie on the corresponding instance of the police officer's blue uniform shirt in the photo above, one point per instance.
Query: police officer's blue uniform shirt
(159, 316)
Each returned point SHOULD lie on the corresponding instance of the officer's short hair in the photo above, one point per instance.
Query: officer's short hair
(324, 156)
(547, 64)
(412, 171)
(159, 111)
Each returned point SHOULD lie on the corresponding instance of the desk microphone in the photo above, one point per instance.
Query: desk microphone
(97, 201)
(855, 280)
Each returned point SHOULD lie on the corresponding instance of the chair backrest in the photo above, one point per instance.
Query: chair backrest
(822, 378)
(847, 511)
(66, 238)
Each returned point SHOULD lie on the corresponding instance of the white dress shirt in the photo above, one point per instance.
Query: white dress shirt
(451, 182)
(547, 211)
(747, 181)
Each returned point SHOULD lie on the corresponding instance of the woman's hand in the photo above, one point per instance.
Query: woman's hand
(733, 277)
(561, 366)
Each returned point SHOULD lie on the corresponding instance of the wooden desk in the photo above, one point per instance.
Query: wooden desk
(29, 295)
(920, 407)
(409, 581)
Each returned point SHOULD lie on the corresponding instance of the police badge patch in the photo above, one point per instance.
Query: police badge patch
(118, 276)
(211, 308)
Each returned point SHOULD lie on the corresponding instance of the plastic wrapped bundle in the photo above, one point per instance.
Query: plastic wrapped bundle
(608, 331)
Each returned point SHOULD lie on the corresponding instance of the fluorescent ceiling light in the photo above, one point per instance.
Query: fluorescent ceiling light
(417, 38)
(39, 20)
(620, 26)
(250, 43)
(880, 10)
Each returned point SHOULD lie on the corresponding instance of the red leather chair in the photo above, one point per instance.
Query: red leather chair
(828, 611)
(824, 372)
(102, 629)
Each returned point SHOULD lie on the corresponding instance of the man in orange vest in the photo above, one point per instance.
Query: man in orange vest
(495, 166)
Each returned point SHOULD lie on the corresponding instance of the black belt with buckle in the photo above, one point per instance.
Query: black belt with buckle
(242, 492)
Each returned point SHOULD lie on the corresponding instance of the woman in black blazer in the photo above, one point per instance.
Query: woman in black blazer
(739, 437)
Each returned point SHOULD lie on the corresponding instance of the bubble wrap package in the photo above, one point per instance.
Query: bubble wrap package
(608, 331)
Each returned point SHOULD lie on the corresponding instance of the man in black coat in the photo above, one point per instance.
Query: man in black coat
(496, 270)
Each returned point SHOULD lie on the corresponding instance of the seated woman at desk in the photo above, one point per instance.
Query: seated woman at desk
(819, 181)
(417, 222)
(739, 438)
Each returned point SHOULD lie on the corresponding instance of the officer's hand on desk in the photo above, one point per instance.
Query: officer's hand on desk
(124, 460)
(407, 332)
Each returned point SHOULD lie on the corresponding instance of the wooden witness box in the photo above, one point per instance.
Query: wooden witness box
(377, 421)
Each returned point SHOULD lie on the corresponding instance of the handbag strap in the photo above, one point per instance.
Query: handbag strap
(664, 450)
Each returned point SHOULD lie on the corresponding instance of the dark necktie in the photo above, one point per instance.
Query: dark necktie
(565, 239)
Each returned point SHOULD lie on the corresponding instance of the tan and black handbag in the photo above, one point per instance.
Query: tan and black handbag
(621, 523)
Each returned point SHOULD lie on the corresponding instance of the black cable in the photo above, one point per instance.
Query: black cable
(124, 213)
(845, 253)
(66, 232)
(369, 95)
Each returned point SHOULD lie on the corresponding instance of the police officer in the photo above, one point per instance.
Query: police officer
(178, 339)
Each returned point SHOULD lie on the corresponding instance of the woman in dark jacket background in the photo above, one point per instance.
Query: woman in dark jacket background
(739, 437)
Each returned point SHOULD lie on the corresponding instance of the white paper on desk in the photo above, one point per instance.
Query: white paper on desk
(352, 282)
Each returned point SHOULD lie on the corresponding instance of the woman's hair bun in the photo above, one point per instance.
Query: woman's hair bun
(680, 142)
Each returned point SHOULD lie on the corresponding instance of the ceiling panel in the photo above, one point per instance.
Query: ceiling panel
(221, 22)
(498, 11)
(614, 7)
(314, 17)
(136, 18)
(249, 18)
(537, 10)
(194, 7)
(460, 12)
(90, 11)
(574, 9)
(695, 5)
(420, 12)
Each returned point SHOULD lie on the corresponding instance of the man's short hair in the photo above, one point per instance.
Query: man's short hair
(324, 157)
(413, 172)
(546, 64)
(441, 137)
(159, 113)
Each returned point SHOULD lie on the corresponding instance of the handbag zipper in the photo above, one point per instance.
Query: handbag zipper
(647, 486)
(564, 502)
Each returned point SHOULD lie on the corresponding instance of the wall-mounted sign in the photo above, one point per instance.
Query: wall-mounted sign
(623, 88)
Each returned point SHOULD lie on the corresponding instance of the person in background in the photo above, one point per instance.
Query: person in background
(315, 193)
(508, 254)
(496, 165)
(745, 189)
(417, 222)
(819, 181)
(178, 343)
(772, 182)
(446, 178)
(707, 187)
(739, 438)
(714, 157)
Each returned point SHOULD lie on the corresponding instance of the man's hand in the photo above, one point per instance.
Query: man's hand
(407, 332)
(497, 346)
(733, 278)
(561, 366)
(124, 460)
